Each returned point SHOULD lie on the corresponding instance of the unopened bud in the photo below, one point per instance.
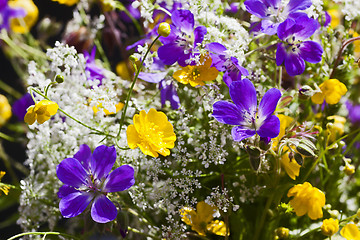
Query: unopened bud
(282, 232)
(164, 29)
(59, 78)
(349, 169)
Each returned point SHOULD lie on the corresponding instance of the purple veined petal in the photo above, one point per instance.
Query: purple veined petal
(307, 27)
(272, 3)
(327, 19)
(199, 34)
(174, 33)
(270, 127)
(102, 161)
(183, 59)
(228, 78)
(239, 133)
(141, 42)
(285, 29)
(65, 190)
(84, 156)
(152, 77)
(71, 172)
(103, 210)
(218, 61)
(269, 27)
(294, 64)
(311, 51)
(243, 94)
(227, 113)
(174, 98)
(120, 179)
(242, 70)
(256, 7)
(184, 20)
(168, 92)
(296, 5)
(170, 53)
(280, 54)
(255, 28)
(74, 203)
(216, 48)
(268, 103)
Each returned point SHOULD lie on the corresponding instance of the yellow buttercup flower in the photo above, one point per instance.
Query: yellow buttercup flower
(152, 133)
(331, 90)
(5, 110)
(201, 219)
(67, 2)
(335, 15)
(292, 168)
(23, 25)
(330, 227)
(350, 232)
(336, 128)
(198, 74)
(3, 187)
(41, 111)
(307, 200)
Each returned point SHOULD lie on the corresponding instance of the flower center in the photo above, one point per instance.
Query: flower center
(185, 41)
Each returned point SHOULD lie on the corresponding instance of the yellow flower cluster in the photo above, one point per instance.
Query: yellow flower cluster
(198, 74)
(201, 220)
(307, 200)
(331, 91)
(330, 226)
(152, 133)
(23, 25)
(5, 110)
(41, 111)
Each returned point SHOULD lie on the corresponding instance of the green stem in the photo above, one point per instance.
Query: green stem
(10, 90)
(121, 7)
(7, 137)
(132, 86)
(42, 233)
(142, 233)
(102, 54)
(262, 220)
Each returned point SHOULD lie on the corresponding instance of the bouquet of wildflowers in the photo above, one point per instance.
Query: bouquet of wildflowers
(184, 119)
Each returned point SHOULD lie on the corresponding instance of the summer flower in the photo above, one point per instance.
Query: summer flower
(5, 110)
(99, 106)
(337, 127)
(152, 133)
(87, 179)
(330, 226)
(335, 15)
(179, 45)
(331, 91)
(201, 220)
(20, 106)
(307, 200)
(197, 74)
(350, 232)
(245, 112)
(3, 187)
(225, 63)
(354, 113)
(272, 13)
(92, 70)
(294, 51)
(7, 13)
(41, 111)
(67, 2)
(23, 25)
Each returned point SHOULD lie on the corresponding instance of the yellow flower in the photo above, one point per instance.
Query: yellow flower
(3, 187)
(164, 29)
(41, 111)
(285, 122)
(331, 90)
(23, 25)
(152, 133)
(118, 107)
(198, 74)
(330, 227)
(336, 129)
(201, 219)
(292, 168)
(350, 232)
(335, 17)
(5, 110)
(124, 70)
(67, 2)
(307, 199)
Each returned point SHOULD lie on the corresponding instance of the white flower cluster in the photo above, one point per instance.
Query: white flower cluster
(351, 9)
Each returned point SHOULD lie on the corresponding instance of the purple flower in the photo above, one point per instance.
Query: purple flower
(294, 51)
(273, 13)
(246, 114)
(20, 106)
(6, 12)
(225, 63)
(92, 70)
(180, 44)
(354, 113)
(87, 179)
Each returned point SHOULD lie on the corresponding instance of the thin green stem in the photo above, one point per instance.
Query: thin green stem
(7, 137)
(42, 233)
(8, 89)
(259, 48)
(263, 217)
(132, 86)
(102, 54)
(121, 7)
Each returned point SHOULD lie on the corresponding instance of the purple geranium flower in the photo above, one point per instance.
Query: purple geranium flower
(6, 12)
(246, 114)
(92, 70)
(20, 106)
(179, 45)
(87, 179)
(273, 13)
(294, 51)
(354, 113)
(225, 63)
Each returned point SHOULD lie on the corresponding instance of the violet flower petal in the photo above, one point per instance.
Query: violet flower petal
(184, 20)
(294, 64)
(102, 161)
(71, 172)
(268, 103)
(103, 210)
(280, 54)
(152, 77)
(84, 156)
(199, 34)
(120, 179)
(227, 113)
(243, 94)
(74, 203)
(311, 51)
(169, 53)
(256, 8)
(65, 190)
(216, 48)
(240, 133)
(296, 5)
(270, 127)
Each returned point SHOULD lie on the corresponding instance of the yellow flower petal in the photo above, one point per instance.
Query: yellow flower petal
(350, 232)
(23, 25)
(292, 168)
(67, 2)
(217, 227)
(5, 110)
(330, 226)
(331, 90)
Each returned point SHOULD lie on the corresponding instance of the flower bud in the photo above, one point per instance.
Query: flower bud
(349, 169)
(282, 232)
(59, 78)
(164, 29)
